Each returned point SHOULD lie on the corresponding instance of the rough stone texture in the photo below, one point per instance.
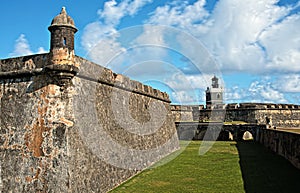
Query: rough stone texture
(182, 113)
(33, 150)
(286, 144)
(66, 138)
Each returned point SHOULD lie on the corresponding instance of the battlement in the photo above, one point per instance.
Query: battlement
(33, 65)
(108, 77)
(23, 63)
(244, 106)
(267, 106)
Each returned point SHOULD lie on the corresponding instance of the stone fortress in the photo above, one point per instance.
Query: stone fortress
(70, 125)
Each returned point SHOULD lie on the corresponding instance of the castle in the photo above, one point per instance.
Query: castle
(70, 125)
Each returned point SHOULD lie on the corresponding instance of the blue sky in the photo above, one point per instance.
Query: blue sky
(176, 46)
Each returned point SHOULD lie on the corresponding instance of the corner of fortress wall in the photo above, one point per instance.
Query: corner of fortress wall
(89, 136)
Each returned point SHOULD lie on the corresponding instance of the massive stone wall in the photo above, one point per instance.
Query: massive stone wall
(33, 123)
(87, 136)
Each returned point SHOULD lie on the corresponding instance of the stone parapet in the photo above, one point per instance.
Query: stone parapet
(23, 63)
(106, 76)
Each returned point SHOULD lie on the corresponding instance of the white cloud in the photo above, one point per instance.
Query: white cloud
(183, 97)
(100, 38)
(22, 47)
(234, 36)
(95, 32)
(241, 35)
(265, 92)
(282, 42)
(181, 14)
(234, 94)
(41, 50)
(152, 35)
(289, 83)
(109, 18)
(180, 81)
(107, 50)
(113, 12)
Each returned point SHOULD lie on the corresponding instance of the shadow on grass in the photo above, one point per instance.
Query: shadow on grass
(264, 171)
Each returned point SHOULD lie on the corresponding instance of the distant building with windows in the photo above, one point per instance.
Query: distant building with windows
(214, 94)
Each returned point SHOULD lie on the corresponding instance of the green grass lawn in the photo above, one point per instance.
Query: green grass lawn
(226, 167)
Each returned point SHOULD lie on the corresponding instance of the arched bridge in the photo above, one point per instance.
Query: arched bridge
(216, 131)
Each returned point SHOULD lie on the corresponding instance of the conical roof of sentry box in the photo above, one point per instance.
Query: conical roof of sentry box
(63, 19)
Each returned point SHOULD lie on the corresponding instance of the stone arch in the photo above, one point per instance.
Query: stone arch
(247, 135)
(225, 135)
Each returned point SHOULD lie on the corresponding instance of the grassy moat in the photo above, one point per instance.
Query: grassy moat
(227, 167)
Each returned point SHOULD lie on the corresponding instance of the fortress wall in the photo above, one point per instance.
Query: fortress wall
(33, 122)
(182, 113)
(286, 144)
(135, 127)
(280, 115)
(87, 137)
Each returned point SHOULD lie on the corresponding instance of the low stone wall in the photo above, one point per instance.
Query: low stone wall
(284, 143)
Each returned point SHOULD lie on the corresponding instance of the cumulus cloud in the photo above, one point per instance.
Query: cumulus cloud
(109, 18)
(265, 92)
(242, 35)
(22, 47)
(113, 12)
(288, 83)
(100, 38)
(181, 15)
(233, 95)
(282, 42)
(183, 97)
(183, 81)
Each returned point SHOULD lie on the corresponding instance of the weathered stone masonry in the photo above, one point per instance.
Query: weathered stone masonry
(286, 144)
(69, 125)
